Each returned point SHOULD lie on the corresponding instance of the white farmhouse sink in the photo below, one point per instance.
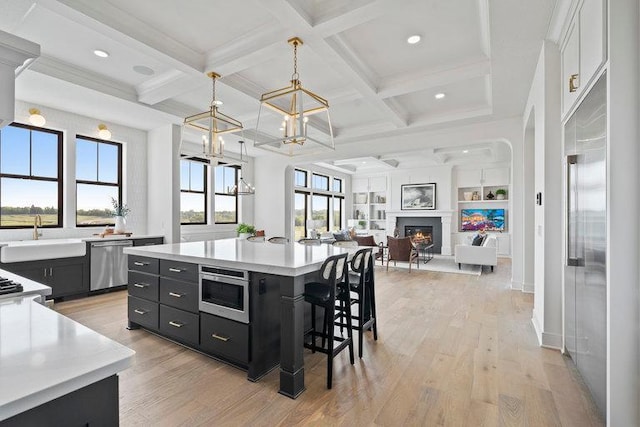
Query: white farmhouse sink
(32, 250)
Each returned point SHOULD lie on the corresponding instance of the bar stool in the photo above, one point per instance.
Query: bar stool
(324, 293)
(313, 242)
(362, 284)
(278, 239)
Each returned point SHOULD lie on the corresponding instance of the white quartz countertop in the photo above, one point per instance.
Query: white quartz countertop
(29, 288)
(96, 238)
(45, 355)
(291, 259)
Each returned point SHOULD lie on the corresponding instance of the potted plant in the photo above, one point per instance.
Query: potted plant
(119, 213)
(501, 194)
(245, 230)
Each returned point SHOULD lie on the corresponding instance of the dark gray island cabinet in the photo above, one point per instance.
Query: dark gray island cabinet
(164, 299)
(273, 332)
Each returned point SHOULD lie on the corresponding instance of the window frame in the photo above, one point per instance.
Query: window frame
(309, 191)
(30, 177)
(100, 183)
(205, 192)
(215, 193)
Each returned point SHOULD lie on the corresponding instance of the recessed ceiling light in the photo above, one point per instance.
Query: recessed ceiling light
(144, 70)
(101, 53)
(440, 95)
(413, 39)
(217, 102)
(465, 151)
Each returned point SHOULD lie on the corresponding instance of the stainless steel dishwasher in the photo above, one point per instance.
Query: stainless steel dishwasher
(108, 264)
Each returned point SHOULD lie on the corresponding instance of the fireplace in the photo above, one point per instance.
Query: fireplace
(422, 233)
(428, 226)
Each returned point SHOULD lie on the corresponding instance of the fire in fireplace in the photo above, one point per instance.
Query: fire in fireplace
(421, 233)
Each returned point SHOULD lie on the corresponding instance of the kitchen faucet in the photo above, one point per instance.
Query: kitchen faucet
(37, 221)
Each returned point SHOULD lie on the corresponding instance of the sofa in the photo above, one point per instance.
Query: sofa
(484, 254)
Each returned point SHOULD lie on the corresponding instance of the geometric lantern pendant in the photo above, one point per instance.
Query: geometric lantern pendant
(213, 124)
(287, 112)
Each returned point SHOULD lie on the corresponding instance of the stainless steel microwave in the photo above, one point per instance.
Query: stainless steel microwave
(224, 292)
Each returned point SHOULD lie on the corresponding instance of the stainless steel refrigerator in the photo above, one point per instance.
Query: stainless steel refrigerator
(585, 296)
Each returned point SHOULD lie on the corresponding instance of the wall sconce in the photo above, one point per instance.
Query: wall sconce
(35, 118)
(103, 132)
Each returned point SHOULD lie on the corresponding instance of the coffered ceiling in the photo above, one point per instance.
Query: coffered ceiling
(480, 53)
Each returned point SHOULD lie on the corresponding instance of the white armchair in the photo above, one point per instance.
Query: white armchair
(487, 254)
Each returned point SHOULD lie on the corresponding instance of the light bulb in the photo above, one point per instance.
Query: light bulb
(36, 118)
(103, 132)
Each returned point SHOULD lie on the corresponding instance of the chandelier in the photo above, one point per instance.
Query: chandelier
(290, 110)
(243, 188)
(213, 123)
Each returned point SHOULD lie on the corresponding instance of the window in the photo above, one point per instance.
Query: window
(98, 180)
(30, 176)
(337, 185)
(225, 205)
(193, 192)
(320, 207)
(300, 178)
(320, 182)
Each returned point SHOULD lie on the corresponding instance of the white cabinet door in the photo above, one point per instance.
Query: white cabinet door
(469, 178)
(495, 176)
(359, 185)
(592, 39)
(378, 183)
(570, 69)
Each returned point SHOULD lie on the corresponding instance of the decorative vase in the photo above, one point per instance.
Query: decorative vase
(468, 195)
(500, 196)
(121, 224)
(244, 235)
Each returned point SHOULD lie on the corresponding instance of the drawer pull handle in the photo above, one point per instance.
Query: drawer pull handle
(175, 270)
(218, 337)
(140, 311)
(140, 264)
(173, 294)
(140, 285)
(176, 324)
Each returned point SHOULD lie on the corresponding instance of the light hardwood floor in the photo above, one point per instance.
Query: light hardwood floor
(453, 350)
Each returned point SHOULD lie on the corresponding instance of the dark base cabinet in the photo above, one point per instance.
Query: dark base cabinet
(163, 298)
(66, 276)
(93, 405)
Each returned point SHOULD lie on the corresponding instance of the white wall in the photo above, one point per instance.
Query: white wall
(134, 143)
(543, 106)
(441, 175)
(164, 183)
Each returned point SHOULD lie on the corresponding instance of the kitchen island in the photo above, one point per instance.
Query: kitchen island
(51, 366)
(283, 268)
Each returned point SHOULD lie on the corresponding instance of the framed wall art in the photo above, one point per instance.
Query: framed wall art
(419, 196)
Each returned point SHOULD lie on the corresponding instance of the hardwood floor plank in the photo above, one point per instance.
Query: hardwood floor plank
(453, 350)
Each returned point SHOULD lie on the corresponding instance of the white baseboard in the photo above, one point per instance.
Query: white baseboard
(516, 286)
(528, 288)
(553, 341)
(536, 327)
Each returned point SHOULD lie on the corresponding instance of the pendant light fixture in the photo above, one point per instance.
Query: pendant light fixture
(213, 124)
(287, 112)
(243, 188)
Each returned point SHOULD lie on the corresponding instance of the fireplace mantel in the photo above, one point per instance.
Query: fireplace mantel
(445, 219)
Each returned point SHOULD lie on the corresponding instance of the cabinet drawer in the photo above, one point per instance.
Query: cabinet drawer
(143, 312)
(148, 242)
(179, 324)
(143, 263)
(179, 294)
(143, 285)
(224, 337)
(179, 270)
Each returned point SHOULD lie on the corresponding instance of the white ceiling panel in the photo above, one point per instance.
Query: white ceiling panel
(450, 31)
(73, 43)
(202, 25)
(468, 94)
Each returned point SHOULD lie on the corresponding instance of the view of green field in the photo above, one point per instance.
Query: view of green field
(26, 220)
